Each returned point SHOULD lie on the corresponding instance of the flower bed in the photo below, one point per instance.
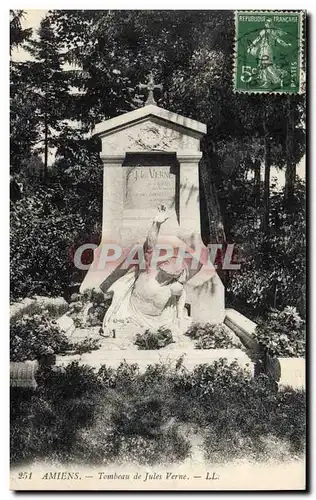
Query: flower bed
(209, 336)
(154, 340)
(88, 309)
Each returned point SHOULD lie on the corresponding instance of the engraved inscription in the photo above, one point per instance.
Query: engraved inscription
(148, 187)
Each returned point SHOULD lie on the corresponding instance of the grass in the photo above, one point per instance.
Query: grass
(124, 416)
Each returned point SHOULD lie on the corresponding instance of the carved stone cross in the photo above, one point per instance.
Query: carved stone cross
(150, 86)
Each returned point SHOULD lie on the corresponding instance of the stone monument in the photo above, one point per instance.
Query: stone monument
(151, 158)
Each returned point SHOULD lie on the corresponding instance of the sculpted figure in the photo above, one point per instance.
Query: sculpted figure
(153, 297)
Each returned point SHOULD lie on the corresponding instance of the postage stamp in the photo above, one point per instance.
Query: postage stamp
(268, 56)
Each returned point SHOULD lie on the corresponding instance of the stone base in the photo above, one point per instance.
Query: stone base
(113, 351)
(205, 294)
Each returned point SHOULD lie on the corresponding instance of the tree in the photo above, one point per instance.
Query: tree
(295, 144)
(272, 275)
(51, 84)
(18, 35)
(23, 109)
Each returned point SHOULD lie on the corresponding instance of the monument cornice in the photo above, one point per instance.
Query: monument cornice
(122, 121)
(182, 157)
(189, 157)
(117, 158)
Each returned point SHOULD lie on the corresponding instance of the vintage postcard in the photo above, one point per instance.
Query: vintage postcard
(157, 215)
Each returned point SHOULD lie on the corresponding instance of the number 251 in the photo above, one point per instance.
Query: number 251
(25, 475)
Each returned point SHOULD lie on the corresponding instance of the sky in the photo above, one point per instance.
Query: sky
(32, 20)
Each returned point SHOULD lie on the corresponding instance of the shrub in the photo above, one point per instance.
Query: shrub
(123, 377)
(283, 333)
(33, 336)
(36, 304)
(273, 266)
(86, 345)
(88, 308)
(47, 224)
(142, 417)
(209, 336)
(154, 340)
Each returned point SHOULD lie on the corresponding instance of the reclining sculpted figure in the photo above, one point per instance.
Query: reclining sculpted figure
(153, 297)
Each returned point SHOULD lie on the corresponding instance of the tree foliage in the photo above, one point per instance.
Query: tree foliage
(18, 35)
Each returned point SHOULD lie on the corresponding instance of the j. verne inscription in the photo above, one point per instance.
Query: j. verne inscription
(147, 187)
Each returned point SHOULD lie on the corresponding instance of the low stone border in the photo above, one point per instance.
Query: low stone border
(191, 358)
(293, 373)
(243, 327)
(292, 370)
(23, 374)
